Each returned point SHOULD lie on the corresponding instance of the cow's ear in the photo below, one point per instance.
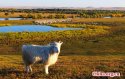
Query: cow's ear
(61, 42)
(51, 43)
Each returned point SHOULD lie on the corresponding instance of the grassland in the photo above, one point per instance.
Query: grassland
(98, 46)
(64, 25)
(67, 67)
(102, 39)
(100, 21)
(13, 41)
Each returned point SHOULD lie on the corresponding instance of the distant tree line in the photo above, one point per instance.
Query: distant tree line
(81, 13)
(39, 16)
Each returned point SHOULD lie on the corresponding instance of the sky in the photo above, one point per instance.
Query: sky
(63, 3)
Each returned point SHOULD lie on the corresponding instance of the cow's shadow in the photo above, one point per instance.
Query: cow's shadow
(5, 72)
(12, 71)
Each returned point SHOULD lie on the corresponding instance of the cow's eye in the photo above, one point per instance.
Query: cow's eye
(56, 49)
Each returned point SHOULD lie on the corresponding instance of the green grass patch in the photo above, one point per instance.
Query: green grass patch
(11, 42)
(91, 40)
(68, 25)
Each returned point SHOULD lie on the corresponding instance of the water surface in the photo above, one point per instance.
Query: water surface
(2, 19)
(33, 28)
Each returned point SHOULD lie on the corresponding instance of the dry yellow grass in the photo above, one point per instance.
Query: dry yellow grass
(67, 67)
(111, 20)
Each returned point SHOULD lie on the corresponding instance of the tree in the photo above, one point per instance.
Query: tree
(51, 17)
(12, 12)
(39, 16)
(60, 16)
(6, 13)
(29, 16)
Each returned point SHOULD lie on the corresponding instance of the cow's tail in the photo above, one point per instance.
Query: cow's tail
(23, 52)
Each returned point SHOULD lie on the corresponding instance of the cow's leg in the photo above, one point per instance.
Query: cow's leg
(27, 69)
(30, 69)
(46, 69)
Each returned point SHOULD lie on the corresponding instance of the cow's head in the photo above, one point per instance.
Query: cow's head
(56, 46)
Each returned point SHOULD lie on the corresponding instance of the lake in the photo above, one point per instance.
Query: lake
(1, 19)
(107, 17)
(33, 28)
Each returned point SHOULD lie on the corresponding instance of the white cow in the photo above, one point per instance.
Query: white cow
(47, 55)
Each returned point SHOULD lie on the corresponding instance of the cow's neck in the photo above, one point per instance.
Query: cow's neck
(58, 48)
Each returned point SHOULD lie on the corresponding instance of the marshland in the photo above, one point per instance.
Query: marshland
(98, 46)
